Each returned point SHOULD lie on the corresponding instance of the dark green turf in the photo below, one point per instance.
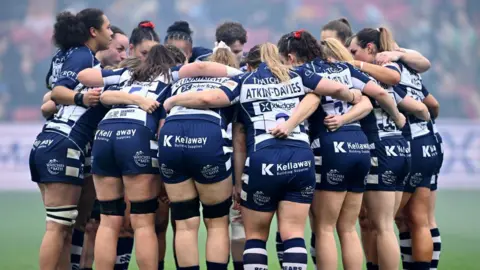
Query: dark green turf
(22, 227)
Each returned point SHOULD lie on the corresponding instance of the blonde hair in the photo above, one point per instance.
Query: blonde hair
(110, 67)
(224, 56)
(387, 42)
(269, 55)
(131, 62)
(333, 48)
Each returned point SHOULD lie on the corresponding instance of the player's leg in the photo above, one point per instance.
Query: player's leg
(161, 225)
(293, 210)
(216, 200)
(112, 209)
(185, 207)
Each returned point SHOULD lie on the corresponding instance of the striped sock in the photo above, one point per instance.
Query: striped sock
(437, 248)
(237, 265)
(280, 249)
(216, 266)
(295, 255)
(124, 253)
(406, 250)
(161, 265)
(255, 255)
(313, 251)
(76, 249)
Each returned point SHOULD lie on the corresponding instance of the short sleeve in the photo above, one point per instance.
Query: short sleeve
(359, 80)
(400, 92)
(425, 91)
(174, 71)
(393, 66)
(111, 77)
(77, 61)
(309, 78)
(232, 88)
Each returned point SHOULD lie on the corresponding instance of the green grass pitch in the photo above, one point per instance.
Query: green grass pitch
(22, 225)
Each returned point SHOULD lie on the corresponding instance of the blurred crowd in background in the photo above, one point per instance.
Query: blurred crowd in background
(445, 31)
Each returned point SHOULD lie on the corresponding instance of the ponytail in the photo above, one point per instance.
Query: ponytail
(386, 40)
(381, 38)
(341, 27)
(224, 56)
(269, 55)
(334, 48)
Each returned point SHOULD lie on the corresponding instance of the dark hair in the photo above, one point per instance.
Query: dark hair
(74, 30)
(230, 32)
(177, 53)
(381, 37)
(301, 43)
(116, 30)
(341, 26)
(253, 58)
(159, 61)
(144, 31)
(179, 30)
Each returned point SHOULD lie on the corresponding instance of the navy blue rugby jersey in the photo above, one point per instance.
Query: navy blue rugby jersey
(411, 85)
(76, 122)
(199, 54)
(265, 102)
(343, 73)
(119, 80)
(221, 116)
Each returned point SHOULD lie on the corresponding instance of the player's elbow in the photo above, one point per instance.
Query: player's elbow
(48, 109)
(367, 104)
(395, 78)
(423, 65)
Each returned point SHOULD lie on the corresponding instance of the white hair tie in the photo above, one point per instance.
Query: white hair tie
(221, 45)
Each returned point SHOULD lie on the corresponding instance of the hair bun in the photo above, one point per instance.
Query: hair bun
(180, 26)
(345, 21)
(147, 24)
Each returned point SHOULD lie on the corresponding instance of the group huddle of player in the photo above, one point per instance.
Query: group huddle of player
(140, 132)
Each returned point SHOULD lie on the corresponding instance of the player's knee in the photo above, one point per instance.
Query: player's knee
(64, 215)
(144, 207)
(113, 208)
(185, 209)
(217, 210)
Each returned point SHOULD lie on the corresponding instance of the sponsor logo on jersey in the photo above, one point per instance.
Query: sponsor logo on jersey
(260, 198)
(54, 167)
(103, 135)
(286, 168)
(307, 191)
(184, 141)
(429, 151)
(334, 177)
(125, 133)
(167, 172)
(210, 171)
(389, 178)
(344, 147)
(141, 159)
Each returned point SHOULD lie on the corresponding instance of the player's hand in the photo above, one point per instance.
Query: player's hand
(333, 122)
(149, 105)
(357, 96)
(236, 197)
(92, 97)
(400, 121)
(387, 57)
(168, 104)
(282, 130)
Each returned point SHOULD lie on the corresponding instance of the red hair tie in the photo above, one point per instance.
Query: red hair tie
(298, 34)
(147, 25)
